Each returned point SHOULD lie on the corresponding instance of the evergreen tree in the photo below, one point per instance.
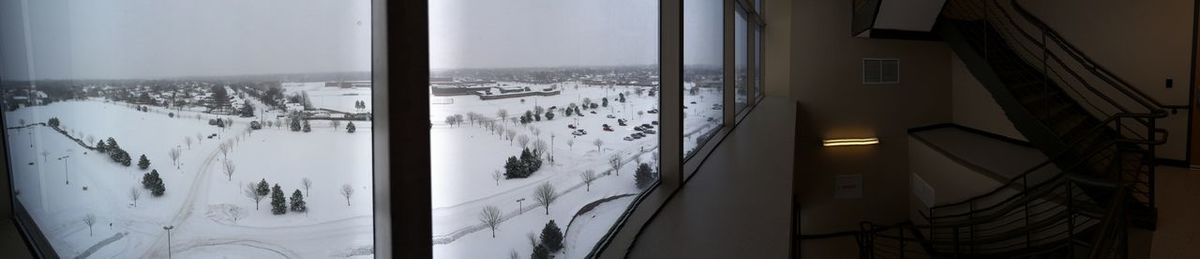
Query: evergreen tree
(644, 176)
(53, 122)
(307, 128)
(112, 144)
(297, 202)
(604, 102)
(552, 237)
(350, 127)
(101, 147)
(119, 156)
(143, 163)
(153, 182)
(540, 252)
(621, 97)
(294, 124)
(263, 188)
(549, 115)
(278, 203)
(247, 109)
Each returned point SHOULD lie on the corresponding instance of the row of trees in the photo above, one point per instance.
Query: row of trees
(281, 205)
(153, 182)
(114, 151)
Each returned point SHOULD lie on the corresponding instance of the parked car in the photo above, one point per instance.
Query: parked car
(652, 111)
(621, 122)
(610, 116)
(579, 132)
(649, 131)
(693, 102)
(654, 122)
(647, 126)
(607, 128)
(593, 112)
(572, 126)
(628, 138)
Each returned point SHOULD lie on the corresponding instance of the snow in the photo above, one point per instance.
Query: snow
(198, 193)
(335, 98)
(465, 156)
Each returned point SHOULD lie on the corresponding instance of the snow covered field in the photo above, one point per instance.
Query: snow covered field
(341, 99)
(465, 156)
(198, 195)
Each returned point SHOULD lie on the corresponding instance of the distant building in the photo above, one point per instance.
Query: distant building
(349, 84)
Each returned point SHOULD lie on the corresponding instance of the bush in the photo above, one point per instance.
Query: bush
(153, 182)
(120, 156)
(540, 252)
(350, 127)
(143, 163)
(53, 122)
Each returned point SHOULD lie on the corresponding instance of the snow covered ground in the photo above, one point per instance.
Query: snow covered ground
(465, 156)
(198, 193)
(341, 99)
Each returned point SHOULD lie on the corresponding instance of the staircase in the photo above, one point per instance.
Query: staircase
(1098, 130)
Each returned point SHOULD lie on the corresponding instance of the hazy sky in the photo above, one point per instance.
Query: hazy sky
(87, 39)
(542, 33)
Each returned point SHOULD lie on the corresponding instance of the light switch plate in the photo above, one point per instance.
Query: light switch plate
(848, 187)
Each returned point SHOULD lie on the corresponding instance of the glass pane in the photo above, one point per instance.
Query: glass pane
(740, 57)
(545, 120)
(192, 128)
(759, 59)
(703, 81)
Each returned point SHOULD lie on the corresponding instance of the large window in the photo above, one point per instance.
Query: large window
(703, 73)
(191, 128)
(545, 122)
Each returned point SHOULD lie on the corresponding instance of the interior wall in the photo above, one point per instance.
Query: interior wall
(974, 106)
(1143, 42)
(778, 34)
(826, 79)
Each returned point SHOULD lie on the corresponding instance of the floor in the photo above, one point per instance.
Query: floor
(1178, 198)
(738, 204)
(11, 242)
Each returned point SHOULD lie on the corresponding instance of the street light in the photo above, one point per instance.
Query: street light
(168, 228)
(66, 170)
(519, 207)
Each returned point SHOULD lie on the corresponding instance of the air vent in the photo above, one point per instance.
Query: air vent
(881, 71)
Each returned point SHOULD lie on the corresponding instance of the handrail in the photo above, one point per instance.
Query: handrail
(1092, 65)
(1056, 157)
(1110, 225)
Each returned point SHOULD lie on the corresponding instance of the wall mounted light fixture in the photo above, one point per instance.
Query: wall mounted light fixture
(850, 142)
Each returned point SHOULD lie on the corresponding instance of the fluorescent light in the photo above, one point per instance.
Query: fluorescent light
(850, 142)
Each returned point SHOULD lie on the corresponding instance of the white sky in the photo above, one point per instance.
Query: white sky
(87, 39)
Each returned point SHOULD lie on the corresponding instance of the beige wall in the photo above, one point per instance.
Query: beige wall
(974, 106)
(826, 80)
(778, 33)
(1143, 42)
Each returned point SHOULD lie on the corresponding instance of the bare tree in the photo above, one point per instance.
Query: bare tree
(307, 185)
(544, 195)
(490, 215)
(335, 124)
(229, 167)
(199, 137)
(347, 191)
(134, 195)
(89, 219)
(188, 140)
(91, 139)
(512, 254)
(539, 147)
(523, 140)
(598, 143)
(503, 114)
(224, 147)
(496, 175)
(571, 144)
(174, 154)
(236, 213)
(533, 239)
(588, 177)
(44, 153)
(615, 162)
(251, 192)
(510, 133)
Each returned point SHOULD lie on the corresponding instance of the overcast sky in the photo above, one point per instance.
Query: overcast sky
(549, 33)
(87, 39)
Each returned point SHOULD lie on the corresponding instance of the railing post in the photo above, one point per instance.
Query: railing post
(971, 218)
(1152, 161)
(1070, 222)
(955, 242)
(1025, 192)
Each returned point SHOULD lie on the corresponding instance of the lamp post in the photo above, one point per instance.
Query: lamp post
(66, 170)
(519, 207)
(168, 229)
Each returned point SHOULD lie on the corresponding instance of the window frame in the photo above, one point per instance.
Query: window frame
(414, 190)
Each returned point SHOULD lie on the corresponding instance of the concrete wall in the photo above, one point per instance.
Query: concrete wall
(951, 181)
(1143, 42)
(826, 79)
(778, 34)
(973, 104)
